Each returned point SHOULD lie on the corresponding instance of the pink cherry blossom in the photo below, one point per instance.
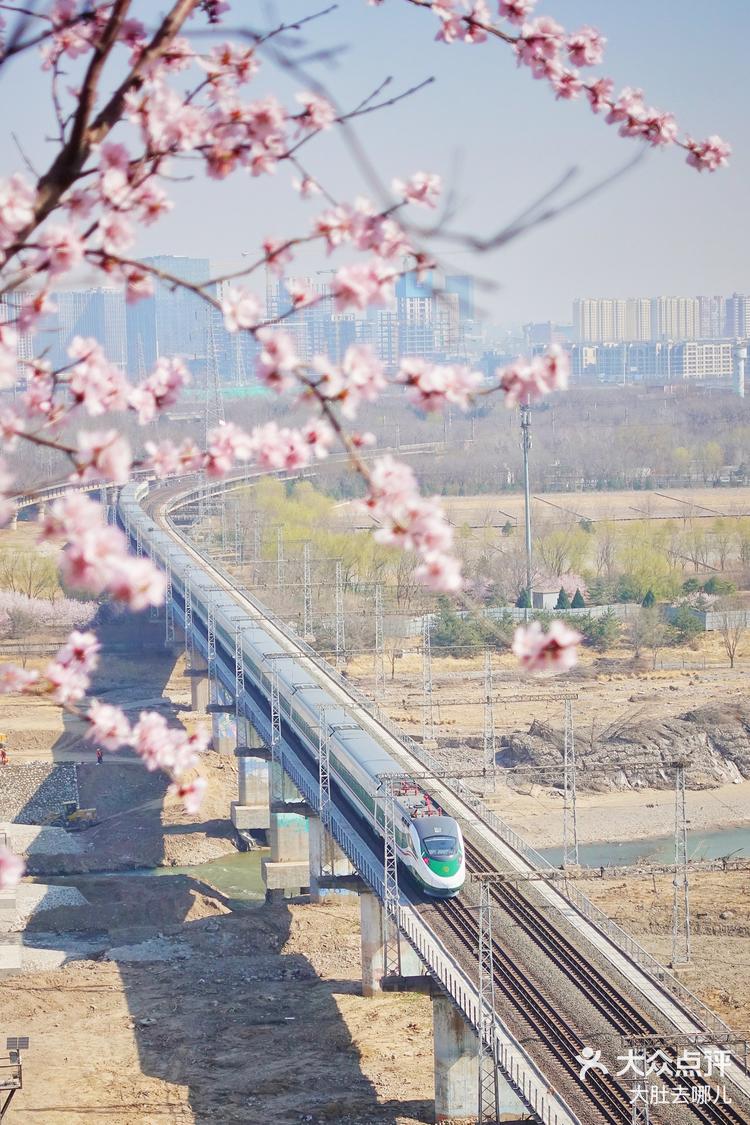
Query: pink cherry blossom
(68, 682)
(61, 249)
(516, 11)
(317, 112)
(191, 793)
(539, 43)
(16, 208)
(276, 447)
(166, 458)
(546, 653)
(422, 187)
(320, 436)
(599, 93)
(95, 384)
(710, 154)
(12, 868)
(363, 284)
(81, 650)
(439, 572)
(566, 83)
(160, 389)
(227, 443)
(306, 186)
(107, 725)
(278, 359)
(14, 680)
(432, 386)
(585, 47)
(103, 454)
(530, 380)
(136, 582)
(241, 309)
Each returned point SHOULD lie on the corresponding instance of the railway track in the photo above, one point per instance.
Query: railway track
(608, 1096)
(625, 1018)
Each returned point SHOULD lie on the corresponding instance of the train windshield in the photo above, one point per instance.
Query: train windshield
(440, 847)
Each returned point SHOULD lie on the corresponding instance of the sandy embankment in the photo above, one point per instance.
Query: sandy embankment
(620, 816)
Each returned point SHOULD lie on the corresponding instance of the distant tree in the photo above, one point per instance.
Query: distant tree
(578, 602)
(719, 586)
(586, 525)
(523, 601)
(507, 528)
(656, 633)
(691, 586)
(686, 624)
(563, 601)
(649, 600)
(602, 633)
(733, 621)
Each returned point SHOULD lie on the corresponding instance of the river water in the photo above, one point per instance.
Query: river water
(660, 849)
(237, 876)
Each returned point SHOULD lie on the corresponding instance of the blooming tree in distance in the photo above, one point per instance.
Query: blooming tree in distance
(136, 104)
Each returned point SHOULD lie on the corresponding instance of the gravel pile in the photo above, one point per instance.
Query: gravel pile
(29, 839)
(33, 898)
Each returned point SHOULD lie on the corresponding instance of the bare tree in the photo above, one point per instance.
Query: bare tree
(29, 573)
(733, 621)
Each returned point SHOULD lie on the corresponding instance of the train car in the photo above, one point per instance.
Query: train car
(429, 844)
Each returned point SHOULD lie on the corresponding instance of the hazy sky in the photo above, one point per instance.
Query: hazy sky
(500, 138)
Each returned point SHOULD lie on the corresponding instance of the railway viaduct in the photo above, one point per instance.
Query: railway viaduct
(523, 974)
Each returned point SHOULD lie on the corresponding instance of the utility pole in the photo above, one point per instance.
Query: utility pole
(339, 611)
(379, 644)
(526, 447)
(279, 556)
(428, 713)
(681, 900)
(489, 747)
(306, 593)
(570, 796)
(489, 1092)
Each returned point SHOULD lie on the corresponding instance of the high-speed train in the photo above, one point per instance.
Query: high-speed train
(429, 844)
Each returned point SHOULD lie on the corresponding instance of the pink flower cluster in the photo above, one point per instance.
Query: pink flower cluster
(158, 745)
(546, 653)
(366, 228)
(12, 868)
(161, 388)
(413, 523)
(554, 54)
(359, 379)
(95, 557)
(363, 284)
(528, 380)
(69, 674)
(434, 386)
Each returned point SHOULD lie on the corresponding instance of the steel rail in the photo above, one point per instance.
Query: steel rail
(601, 992)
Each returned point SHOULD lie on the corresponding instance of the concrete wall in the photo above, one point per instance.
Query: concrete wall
(33, 792)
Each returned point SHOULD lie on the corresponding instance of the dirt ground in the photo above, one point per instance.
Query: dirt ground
(252, 1017)
(719, 972)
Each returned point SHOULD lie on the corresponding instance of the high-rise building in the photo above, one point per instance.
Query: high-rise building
(675, 318)
(637, 319)
(415, 307)
(174, 322)
(738, 317)
(712, 317)
(599, 319)
(95, 313)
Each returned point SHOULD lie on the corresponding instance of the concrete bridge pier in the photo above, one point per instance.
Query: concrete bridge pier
(457, 1068)
(288, 869)
(326, 859)
(456, 1063)
(199, 686)
(251, 811)
(372, 929)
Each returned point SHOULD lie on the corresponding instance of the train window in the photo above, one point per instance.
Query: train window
(440, 847)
